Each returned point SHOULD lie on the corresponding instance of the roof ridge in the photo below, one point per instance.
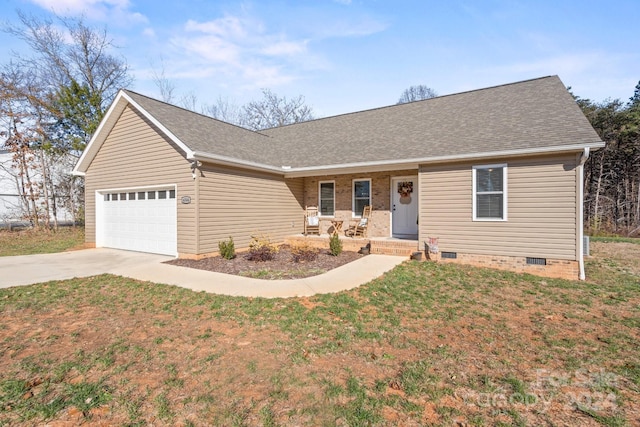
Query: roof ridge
(414, 102)
(194, 112)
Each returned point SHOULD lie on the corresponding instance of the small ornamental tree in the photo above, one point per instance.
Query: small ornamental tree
(335, 245)
(227, 249)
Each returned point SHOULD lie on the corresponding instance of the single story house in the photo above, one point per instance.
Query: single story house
(495, 174)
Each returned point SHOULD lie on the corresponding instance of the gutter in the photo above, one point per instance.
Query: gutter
(230, 161)
(413, 163)
(297, 172)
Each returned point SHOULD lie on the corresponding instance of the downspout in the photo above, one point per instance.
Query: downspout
(195, 174)
(583, 158)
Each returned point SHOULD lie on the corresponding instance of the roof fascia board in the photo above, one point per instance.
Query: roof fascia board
(230, 161)
(413, 163)
(383, 166)
(98, 138)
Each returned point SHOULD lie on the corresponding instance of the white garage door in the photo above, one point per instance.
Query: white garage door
(143, 220)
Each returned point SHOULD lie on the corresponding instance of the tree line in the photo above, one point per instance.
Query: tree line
(53, 97)
(612, 174)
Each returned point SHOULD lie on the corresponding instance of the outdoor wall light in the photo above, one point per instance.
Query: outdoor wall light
(194, 167)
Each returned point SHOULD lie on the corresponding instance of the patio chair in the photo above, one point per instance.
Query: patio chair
(311, 220)
(358, 226)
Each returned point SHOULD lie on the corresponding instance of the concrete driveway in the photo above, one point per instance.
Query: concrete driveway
(29, 269)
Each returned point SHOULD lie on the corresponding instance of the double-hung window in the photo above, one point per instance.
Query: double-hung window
(361, 195)
(327, 192)
(490, 193)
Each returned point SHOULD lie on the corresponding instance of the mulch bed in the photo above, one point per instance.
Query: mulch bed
(281, 267)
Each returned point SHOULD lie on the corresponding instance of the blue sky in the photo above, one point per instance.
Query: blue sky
(350, 55)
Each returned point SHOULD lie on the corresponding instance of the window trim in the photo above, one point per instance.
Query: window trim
(503, 192)
(320, 198)
(353, 195)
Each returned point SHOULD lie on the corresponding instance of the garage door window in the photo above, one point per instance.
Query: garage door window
(140, 195)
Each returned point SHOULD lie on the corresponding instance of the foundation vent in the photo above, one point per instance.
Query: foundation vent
(449, 255)
(536, 261)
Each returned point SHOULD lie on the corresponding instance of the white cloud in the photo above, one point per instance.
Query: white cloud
(99, 10)
(285, 48)
(259, 75)
(239, 48)
(209, 48)
(242, 51)
(228, 27)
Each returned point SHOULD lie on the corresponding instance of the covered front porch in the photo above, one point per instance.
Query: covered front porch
(376, 245)
(392, 195)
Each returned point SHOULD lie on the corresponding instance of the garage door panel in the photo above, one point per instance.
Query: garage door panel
(139, 223)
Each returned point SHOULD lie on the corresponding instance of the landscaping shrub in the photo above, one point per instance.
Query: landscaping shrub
(261, 249)
(335, 245)
(227, 249)
(302, 253)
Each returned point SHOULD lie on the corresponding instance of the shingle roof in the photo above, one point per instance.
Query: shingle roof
(533, 114)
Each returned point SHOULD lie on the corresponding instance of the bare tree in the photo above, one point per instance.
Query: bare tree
(225, 110)
(60, 89)
(272, 111)
(71, 51)
(164, 85)
(612, 174)
(189, 101)
(416, 93)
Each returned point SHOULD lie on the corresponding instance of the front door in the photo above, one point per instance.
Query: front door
(404, 207)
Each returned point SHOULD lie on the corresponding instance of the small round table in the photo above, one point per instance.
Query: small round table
(337, 225)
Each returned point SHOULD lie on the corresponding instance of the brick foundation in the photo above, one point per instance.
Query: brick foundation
(563, 269)
(556, 268)
(376, 246)
(198, 257)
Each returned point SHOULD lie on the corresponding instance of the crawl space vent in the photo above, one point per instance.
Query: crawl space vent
(536, 261)
(450, 255)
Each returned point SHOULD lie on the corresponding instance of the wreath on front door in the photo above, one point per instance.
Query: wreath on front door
(405, 188)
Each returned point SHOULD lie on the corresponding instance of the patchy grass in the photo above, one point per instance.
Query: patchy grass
(615, 239)
(29, 242)
(426, 344)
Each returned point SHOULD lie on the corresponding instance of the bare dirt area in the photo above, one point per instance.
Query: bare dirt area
(426, 344)
(282, 266)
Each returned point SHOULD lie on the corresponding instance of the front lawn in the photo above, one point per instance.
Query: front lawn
(427, 344)
(28, 242)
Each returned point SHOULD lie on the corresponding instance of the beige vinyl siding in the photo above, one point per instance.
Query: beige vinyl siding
(240, 203)
(541, 209)
(137, 154)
